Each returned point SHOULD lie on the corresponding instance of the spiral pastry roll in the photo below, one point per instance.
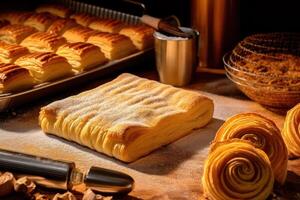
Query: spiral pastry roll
(236, 169)
(291, 131)
(263, 133)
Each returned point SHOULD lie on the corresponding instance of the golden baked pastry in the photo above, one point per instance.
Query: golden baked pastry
(60, 26)
(40, 21)
(83, 19)
(15, 17)
(128, 117)
(235, 169)
(82, 55)
(114, 46)
(14, 78)
(43, 42)
(107, 25)
(15, 34)
(78, 34)
(45, 66)
(10, 52)
(141, 36)
(263, 133)
(54, 9)
(291, 133)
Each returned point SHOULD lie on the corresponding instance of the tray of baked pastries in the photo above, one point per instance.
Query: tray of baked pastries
(54, 47)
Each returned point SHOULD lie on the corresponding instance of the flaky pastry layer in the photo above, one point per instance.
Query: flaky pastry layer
(10, 52)
(54, 9)
(128, 117)
(15, 34)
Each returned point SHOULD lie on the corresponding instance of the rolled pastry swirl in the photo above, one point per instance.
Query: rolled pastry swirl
(263, 133)
(236, 169)
(291, 131)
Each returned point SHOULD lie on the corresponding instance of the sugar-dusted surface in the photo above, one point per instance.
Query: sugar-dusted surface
(171, 172)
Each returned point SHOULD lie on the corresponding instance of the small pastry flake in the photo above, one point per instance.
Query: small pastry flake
(15, 17)
(78, 34)
(235, 169)
(141, 36)
(107, 25)
(15, 34)
(114, 46)
(83, 19)
(10, 52)
(291, 131)
(54, 9)
(82, 56)
(40, 21)
(263, 133)
(121, 118)
(45, 66)
(13, 78)
(60, 26)
(43, 42)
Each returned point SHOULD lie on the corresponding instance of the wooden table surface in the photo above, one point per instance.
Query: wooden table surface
(171, 172)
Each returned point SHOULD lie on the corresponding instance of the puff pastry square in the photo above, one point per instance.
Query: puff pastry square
(78, 34)
(141, 36)
(45, 66)
(15, 17)
(40, 21)
(60, 26)
(128, 117)
(83, 19)
(107, 25)
(114, 46)
(10, 52)
(54, 9)
(14, 78)
(15, 34)
(82, 56)
(43, 42)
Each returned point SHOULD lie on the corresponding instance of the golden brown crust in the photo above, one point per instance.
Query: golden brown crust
(10, 52)
(107, 25)
(141, 36)
(40, 21)
(263, 133)
(14, 78)
(114, 46)
(121, 117)
(78, 34)
(54, 9)
(43, 42)
(59, 26)
(83, 19)
(15, 34)
(45, 66)
(82, 55)
(15, 17)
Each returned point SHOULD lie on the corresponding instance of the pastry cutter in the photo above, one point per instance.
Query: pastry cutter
(63, 174)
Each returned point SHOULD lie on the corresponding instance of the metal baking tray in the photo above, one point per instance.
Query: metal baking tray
(12, 100)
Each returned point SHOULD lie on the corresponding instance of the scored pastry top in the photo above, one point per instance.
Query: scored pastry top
(9, 71)
(11, 50)
(83, 19)
(42, 41)
(107, 25)
(16, 33)
(108, 38)
(80, 48)
(15, 17)
(54, 9)
(43, 59)
(40, 21)
(140, 32)
(59, 26)
(78, 34)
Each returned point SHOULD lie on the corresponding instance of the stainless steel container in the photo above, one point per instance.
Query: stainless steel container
(176, 58)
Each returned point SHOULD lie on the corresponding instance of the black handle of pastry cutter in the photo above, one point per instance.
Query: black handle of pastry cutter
(63, 174)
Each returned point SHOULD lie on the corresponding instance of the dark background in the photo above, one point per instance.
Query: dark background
(255, 15)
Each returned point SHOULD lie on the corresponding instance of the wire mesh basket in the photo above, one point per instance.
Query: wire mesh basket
(266, 67)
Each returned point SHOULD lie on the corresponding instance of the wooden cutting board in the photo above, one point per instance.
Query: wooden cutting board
(171, 172)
